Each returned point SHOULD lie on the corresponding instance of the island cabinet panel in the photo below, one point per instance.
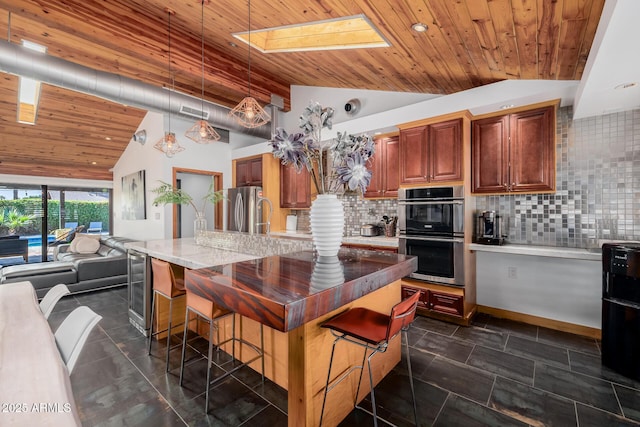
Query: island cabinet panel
(385, 178)
(514, 152)
(431, 153)
(295, 188)
(249, 172)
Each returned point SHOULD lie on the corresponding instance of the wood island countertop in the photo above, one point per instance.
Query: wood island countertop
(287, 291)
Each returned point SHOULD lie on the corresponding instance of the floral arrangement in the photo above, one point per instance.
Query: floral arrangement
(347, 155)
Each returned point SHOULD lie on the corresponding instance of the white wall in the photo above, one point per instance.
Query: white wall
(159, 223)
(567, 290)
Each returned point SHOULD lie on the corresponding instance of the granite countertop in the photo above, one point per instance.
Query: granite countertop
(382, 241)
(594, 254)
(186, 253)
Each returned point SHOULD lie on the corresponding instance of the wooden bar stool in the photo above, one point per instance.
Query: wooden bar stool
(373, 331)
(211, 313)
(168, 283)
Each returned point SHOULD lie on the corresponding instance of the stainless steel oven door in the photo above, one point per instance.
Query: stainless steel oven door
(440, 259)
(443, 217)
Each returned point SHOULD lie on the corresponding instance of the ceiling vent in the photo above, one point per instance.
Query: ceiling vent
(194, 112)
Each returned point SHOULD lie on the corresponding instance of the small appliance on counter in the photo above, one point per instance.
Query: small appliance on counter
(489, 228)
(292, 223)
(369, 230)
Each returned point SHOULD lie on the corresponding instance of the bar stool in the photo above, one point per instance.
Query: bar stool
(212, 313)
(373, 331)
(170, 285)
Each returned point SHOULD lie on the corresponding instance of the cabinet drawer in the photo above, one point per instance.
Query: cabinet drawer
(446, 303)
(423, 301)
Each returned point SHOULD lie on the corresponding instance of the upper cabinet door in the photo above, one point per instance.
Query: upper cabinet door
(375, 165)
(489, 155)
(249, 172)
(392, 174)
(532, 152)
(384, 169)
(413, 155)
(295, 188)
(514, 153)
(445, 147)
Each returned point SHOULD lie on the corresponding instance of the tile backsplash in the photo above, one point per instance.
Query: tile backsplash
(597, 187)
(357, 211)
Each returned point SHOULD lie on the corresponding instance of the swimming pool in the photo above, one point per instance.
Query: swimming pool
(36, 241)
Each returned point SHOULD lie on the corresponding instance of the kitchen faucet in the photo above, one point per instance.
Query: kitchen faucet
(268, 223)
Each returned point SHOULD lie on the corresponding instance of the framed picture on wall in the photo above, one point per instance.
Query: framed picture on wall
(134, 205)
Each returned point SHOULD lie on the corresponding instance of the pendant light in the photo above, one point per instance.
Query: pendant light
(201, 131)
(168, 144)
(248, 112)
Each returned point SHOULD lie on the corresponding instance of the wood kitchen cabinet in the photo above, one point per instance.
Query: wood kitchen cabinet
(431, 153)
(440, 301)
(384, 169)
(514, 152)
(295, 188)
(249, 172)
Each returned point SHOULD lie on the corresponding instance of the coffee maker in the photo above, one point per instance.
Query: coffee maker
(489, 228)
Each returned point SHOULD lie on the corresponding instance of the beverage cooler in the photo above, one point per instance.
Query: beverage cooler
(621, 308)
(139, 290)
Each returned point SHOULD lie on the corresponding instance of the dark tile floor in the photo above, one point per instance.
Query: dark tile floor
(496, 372)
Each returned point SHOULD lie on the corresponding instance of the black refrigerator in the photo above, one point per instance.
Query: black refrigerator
(621, 308)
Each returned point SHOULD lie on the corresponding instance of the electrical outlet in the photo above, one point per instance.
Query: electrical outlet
(157, 215)
(513, 273)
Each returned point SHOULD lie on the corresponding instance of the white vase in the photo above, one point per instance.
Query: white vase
(199, 224)
(327, 224)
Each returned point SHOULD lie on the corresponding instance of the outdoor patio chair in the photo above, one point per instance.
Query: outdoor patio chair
(95, 227)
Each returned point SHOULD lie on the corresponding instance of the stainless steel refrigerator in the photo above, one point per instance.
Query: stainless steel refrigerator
(244, 210)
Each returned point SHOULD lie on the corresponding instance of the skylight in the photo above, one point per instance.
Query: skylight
(352, 32)
(29, 92)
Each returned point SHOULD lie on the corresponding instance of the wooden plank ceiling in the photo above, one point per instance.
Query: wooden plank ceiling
(469, 43)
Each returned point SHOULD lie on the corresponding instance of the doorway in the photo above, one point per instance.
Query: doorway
(196, 183)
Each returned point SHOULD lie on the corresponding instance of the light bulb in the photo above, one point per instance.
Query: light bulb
(249, 113)
(203, 130)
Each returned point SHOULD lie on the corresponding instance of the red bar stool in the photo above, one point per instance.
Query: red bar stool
(373, 331)
(168, 283)
(211, 313)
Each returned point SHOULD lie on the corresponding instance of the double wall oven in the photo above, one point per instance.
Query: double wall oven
(431, 225)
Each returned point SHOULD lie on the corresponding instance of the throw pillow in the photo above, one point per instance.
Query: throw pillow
(86, 245)
(79, 237)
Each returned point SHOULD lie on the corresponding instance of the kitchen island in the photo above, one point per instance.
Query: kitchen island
(292, 294)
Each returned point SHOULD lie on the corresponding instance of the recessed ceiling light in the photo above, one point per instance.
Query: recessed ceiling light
(108, 138)
(419, 27)
(94, 163)
(351, 32)
(626, 85)
(505, 106)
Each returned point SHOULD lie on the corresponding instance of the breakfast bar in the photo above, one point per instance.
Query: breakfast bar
(292, 295)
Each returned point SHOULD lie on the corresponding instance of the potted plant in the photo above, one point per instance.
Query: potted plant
(168, 194)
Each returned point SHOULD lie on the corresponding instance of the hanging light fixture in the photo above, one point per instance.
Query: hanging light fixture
(168, 144)
(201, 131)
(248, 112)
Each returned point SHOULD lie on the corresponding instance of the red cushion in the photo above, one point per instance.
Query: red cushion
(361, 323)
